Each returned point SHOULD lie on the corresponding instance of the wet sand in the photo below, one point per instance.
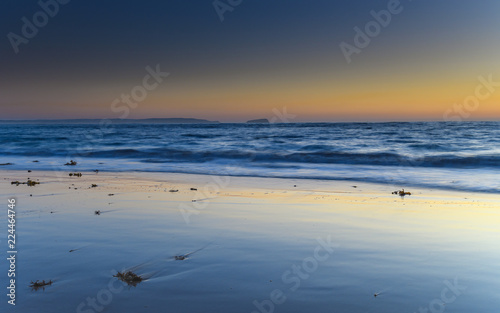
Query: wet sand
(240, 244)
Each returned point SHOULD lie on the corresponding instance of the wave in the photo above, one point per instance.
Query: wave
(311, 154)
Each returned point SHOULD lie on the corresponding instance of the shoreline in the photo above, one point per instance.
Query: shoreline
(214, 184)
(444, 179)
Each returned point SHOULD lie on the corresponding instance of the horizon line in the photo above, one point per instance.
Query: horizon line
(206, 121)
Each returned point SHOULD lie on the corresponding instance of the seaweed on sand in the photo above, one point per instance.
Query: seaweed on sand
(401, 193)
(30, 183)
(40, 284)
(129, 277)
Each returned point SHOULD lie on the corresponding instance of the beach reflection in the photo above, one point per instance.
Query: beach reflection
(272, 250)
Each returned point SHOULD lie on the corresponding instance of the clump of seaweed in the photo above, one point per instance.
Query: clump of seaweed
(194, 189)
(75, 174)
(93, 186)
(30, 183)
(401, 193)
(71, 163)
(173, 190)
(129, 278)
(40, 284)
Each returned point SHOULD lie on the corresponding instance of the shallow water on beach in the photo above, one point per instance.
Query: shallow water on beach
(245, 251)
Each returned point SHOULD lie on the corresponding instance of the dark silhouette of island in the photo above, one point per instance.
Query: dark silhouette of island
(179, 121)
(259, 121)
(115, 120)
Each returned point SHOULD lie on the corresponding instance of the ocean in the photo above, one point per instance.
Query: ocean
(445, 155)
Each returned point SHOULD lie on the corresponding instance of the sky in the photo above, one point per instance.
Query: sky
(235, 60)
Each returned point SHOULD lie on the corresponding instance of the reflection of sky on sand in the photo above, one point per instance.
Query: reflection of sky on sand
(401, 249)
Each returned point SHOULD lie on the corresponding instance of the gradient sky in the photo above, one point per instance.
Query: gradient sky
(265, 55)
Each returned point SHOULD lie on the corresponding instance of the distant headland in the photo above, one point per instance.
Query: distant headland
(259, 121)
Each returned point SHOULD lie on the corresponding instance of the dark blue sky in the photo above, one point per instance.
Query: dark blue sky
(92, 51)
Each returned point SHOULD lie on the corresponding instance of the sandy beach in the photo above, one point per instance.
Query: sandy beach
(235, 244)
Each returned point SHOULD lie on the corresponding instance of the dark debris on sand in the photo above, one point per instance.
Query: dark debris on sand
(75, 174)
(40, 284)
(129, 277)
(401, 193)
(30, 183)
